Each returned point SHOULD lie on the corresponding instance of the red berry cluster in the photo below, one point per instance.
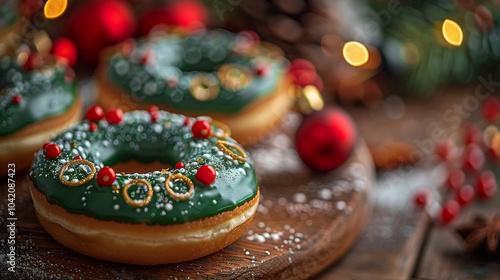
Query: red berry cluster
(96, 113)
(468, 179)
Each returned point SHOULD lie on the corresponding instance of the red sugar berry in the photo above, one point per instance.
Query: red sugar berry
(52, 151)
(77, 157)
(94, 113)
(465, 195)
(153, 108)
(92, 127)
(17, 99)
(179, 165)
(155, 116)
(201, 129)
(422, 197)
(491, 109)
(456, 179)
(474, 157)
(206, 174)
(106, 176)
(34, 61)
(114, 116)
(450, 211)
(486, 185)
(445, 149)
(471, 133)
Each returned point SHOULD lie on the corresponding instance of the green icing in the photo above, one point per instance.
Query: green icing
(182, 58)
(168, 141)
(45, 93)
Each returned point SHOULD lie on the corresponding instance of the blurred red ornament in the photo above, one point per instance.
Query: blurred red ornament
(491, 109)
(450, 211)
(465, 195)
(422, 197)
(94, 113)
(456, 179)
(17, 99)
(473, 157)
(304, 73)
(189, 14)
(446, 149)
(98, 24)
(486, 185)
(33, 62)
(64, 49)
(325, 139)
(471, 133)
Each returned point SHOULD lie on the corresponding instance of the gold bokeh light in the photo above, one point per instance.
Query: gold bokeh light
(55, 8)
(452, 32)
(355, 53)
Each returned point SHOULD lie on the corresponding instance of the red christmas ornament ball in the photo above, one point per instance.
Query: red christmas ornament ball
(45, 146)
(98, 24)
(106, 176)
(191, 15)
(179, 165)
(52, 151)
(201, 129)
(94, 113)
(474, 157)
(465, 195)
(456, 179)
(64, 49)
(486, 185)
(77, 157)
(206, 174)
(153, 108)
(491, 109)
(325, 139)
(114, 116)
(450, 211)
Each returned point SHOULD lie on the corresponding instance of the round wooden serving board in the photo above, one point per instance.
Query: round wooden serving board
(305, 221)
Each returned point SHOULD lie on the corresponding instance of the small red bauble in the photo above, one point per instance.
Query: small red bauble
(465, 195)
(445, 149)
(93, 127)
(77, 157)
(456, 179)
(206, 174)
(114, 116)
(52, 151)
(94, 113)
(471, 133)
(34, 61)
(325, 139)
(64, 49)
(474, 157)
(179, 165)
(450, 211)
(486, 185)
(201, 129)
(17, 99)
(155, 116)
(97, 24)
(491, 109)
(422, 197)
(187, 122)
(45, 146)
(106, 176)
(153, 108)
(189, 14)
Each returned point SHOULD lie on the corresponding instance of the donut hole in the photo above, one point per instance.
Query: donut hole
(134, 166)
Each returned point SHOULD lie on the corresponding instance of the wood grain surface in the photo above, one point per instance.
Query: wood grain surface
(304, 223)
